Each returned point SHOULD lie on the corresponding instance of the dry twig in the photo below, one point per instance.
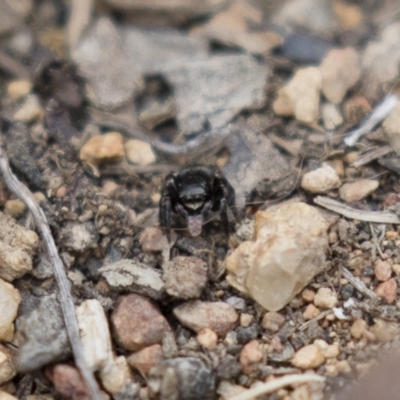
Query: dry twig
(371, 155)
(66, 302)
(380, 217)
(276, 384)
(358, 284)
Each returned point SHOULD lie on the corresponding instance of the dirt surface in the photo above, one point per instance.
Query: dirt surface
(101, 100)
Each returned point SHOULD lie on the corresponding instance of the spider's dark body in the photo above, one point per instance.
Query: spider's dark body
(193, 192)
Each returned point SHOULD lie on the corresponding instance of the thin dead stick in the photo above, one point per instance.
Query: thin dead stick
(372, 155)
(376, 241)
(317, 318)
(358, 284)
(67, 305)
(380, 217)
(276, 384)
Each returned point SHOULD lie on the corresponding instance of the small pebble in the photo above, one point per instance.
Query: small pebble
(325, 298)
(384, 331)
(392, 235)
(308, 295)
(137, 323)
(103, 148)
(340, 71)
(300, 96)
(358, 329)
(320, 180)
(387, 290)
(238, 302)
(185, 277)
(30, 110)
(328, 350)
(383, 270)
(250, 356)
(116, 378)
(7, 369)
(144, 360)
(18, 89)
(358, 190)
(273, 321)
(396, 268)
(153, 240)
(331, 116)
(246, 320)
(109, 186)
(139, 152)
(310, 356)
(311, 312)
(339, 367)
(207, 338)
(14, 208)
(9, 302)
(69, 383)
(198, 315)
(95, 334)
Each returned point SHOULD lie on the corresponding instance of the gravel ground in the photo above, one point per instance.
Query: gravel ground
(287, 287)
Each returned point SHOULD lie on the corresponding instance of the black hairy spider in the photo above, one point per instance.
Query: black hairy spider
(193, 192)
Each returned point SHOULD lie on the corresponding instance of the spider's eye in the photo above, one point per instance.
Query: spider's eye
(193, 202)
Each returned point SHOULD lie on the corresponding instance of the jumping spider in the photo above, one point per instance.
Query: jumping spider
(193, 192)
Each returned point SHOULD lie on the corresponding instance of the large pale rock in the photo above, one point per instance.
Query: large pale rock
(288, 251)
(9, 302)
(17, 246)
(300, 96)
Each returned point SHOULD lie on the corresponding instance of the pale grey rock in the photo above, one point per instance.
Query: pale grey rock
(197, 315)
(254, 159)
(320, 180)
(380, 63)
(215, 89)
(185, 277)
(103, 61)
(79, 236)
(288, 251)
(41, 336)
(154, 49)
(134, 276)
(9, 302)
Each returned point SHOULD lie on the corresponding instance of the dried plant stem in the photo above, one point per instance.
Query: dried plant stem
(358, 284)
(67, 305)
(380, 217)
(277, 384)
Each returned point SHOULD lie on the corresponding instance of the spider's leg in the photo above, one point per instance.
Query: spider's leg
(223, 209)
(165, 215)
